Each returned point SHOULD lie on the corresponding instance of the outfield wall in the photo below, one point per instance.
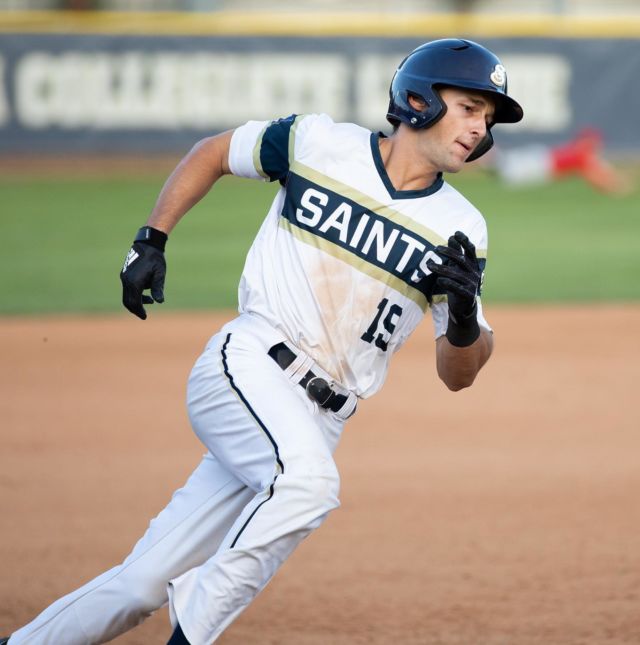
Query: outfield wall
(96, 83)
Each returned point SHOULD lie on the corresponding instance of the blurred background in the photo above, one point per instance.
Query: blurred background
(100, 98)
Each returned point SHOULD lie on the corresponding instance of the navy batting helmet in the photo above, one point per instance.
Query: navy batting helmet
(449, 62)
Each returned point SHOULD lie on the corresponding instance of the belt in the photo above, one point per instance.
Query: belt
(318, 388)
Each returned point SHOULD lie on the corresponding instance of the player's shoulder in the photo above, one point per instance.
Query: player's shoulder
(321, 127)
(317, 141)
(268, 149)
(303, 130)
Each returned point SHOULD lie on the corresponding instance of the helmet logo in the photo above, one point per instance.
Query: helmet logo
(499, 75)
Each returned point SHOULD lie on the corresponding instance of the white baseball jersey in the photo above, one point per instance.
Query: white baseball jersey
(339, 265)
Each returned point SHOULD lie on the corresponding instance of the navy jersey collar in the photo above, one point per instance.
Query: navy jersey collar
(382, 171)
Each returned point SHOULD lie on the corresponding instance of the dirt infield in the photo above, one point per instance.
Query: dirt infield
(507, 514)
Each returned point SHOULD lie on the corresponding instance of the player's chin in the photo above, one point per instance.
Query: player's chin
(455, 160)
(455, 165)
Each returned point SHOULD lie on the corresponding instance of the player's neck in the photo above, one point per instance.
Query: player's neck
(406, 168)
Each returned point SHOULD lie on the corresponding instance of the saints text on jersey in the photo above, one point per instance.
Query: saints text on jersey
(370, 241)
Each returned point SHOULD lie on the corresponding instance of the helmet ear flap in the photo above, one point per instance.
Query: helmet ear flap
(484, 146)
(401, 110)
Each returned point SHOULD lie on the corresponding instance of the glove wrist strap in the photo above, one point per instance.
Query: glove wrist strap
(463, 331)
(152, 236)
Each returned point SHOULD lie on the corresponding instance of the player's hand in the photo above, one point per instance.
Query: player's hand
(144, 268)
(459, 277)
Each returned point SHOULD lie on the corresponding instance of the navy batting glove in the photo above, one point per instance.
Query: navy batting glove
(144, 268)
(459, 277)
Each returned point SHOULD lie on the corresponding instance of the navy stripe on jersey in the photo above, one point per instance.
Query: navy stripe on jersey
(274, 151)
(399, 251)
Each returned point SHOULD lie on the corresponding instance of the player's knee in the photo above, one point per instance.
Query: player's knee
(325, 489)
(318, 484)
(141, 606)
(141, 594)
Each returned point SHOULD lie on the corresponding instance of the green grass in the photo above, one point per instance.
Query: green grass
(62, 242)
(561, 242)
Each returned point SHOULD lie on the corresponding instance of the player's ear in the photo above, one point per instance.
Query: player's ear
(417, 102)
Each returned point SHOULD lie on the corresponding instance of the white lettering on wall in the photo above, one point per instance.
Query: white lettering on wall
(4, 104)
(373, 76)
(174, 90)
(541, 83)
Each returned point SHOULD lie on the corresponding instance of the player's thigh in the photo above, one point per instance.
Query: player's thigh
(255, 420)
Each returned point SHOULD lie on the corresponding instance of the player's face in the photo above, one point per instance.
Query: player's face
(454, 137)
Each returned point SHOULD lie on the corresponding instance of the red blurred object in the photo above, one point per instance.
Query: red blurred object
(581, 156)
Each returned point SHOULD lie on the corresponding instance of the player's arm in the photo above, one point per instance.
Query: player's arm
(459, 366)
(465, 348)
(192, 179)
(145, 266)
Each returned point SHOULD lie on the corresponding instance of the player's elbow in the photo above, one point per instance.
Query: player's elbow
(458, 367)
(456, 375)
(458, 382)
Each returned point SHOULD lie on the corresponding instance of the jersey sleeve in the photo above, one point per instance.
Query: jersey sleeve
(266, 149)
(440, 309)
(245, 142)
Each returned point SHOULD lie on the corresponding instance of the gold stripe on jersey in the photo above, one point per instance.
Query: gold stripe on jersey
(360, 264)
(292, 136)
(371, 204)
(257, 164)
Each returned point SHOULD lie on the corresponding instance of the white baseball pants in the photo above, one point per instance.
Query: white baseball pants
(267, 481)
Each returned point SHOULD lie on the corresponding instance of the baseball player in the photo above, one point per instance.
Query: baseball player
(363, 237)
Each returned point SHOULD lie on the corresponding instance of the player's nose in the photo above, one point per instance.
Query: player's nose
(479, 125)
